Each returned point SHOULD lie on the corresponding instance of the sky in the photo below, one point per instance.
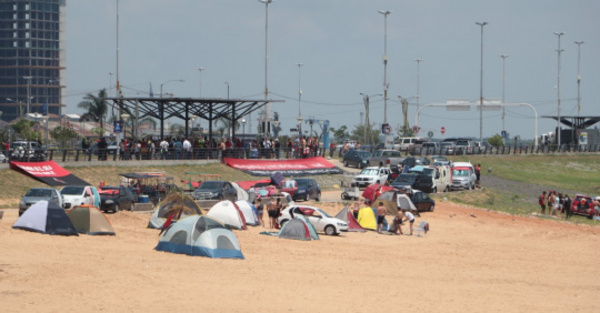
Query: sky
(340, 44)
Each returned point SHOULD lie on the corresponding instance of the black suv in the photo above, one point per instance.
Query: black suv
(116, 198)
(215, 190)
(307, 189)
(358, 158)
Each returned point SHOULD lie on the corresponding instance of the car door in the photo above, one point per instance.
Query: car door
(417, 200)
(316, 219)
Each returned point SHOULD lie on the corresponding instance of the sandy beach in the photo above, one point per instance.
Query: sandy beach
(472, 260)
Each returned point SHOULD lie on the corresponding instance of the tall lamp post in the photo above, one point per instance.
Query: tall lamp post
(418, 81)
(299, 94)
(28, 78)
(268, 107)
(227, 83)
(559, 34)
(385, 62)
(503, 56)
(482, 24)
(578, 43)
(168, 81)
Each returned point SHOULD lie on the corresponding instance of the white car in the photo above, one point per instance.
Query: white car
(322, 221)
(371, 175)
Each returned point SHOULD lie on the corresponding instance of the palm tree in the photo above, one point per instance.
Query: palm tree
(96, 106)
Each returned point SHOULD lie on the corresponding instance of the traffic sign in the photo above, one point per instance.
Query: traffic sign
(443, 130)
(430, 134)
(293, 129)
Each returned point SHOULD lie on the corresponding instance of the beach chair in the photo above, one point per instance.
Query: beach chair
(422, 229)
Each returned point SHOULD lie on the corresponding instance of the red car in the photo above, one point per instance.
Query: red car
(583, 205)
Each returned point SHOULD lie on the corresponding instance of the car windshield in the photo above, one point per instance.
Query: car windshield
(462, 143)
(72, 190)
(364, 154)
(323, 213)
(460, 172)
(302, 182)
(211, 185)
(370, 171)
(406, 178)
(428, 171)
(38, 193)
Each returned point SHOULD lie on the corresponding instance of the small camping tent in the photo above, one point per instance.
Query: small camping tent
(241, 193)
(174, 204)
(249, 211)
(373, 191)
(366, 218)
(346, 215)
(90, 220)
(299, 229)
(229, 214)
(395, 200)
(200, 236)
(46, 218)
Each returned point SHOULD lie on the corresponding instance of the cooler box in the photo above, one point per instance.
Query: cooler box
(144, 199)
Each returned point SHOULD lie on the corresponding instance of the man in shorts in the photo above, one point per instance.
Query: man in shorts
(381, 212)
(408, 216)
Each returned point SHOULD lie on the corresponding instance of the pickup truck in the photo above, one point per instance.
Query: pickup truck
(385, 158)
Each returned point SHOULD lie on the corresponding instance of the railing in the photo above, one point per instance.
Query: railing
(79, 155)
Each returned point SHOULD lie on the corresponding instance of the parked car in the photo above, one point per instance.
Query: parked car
(34, 195)
(422, 201)
(463, 176)
(76, 195)
(405, 181)
(116, 198)
(407, 143)
(386, 158)
(414, 161)
(371, 175)
(464, 147)
(290, 186)
(433, 179)
(580, 207)
(430, 147)
(439, 158)
(447, 148)
(322, 221)
(308, 188)
(357, 158)
(215, 190)
(2, 158)
(30, 150)
(112, 148)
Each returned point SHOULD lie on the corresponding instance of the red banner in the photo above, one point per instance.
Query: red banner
(47, 172)
(295, 167)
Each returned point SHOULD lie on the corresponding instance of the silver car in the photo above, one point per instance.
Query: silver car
(34, 195)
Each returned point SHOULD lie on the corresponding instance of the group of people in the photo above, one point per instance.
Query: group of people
(556, 203)
(403, 215)
(273, 208)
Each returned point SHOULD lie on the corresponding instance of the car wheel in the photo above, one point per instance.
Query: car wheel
(330, 230)
(116, 208)
(345, 196)
(283, 223)
(431, 207)
(346, 163)
(307, 197)
(318, 197)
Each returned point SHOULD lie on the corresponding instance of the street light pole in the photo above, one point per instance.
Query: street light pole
(299, 91)
(385, 62)
(168, 81)
(268, 106)
(578, 43)
(418, 81)
(227, 83)
(559, 34)
(503, 56)
(482, 24)
(200, 69)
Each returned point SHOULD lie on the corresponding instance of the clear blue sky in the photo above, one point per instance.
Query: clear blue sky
(341, 44)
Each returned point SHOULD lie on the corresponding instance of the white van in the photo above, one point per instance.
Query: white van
(463, 176)
(407, 143)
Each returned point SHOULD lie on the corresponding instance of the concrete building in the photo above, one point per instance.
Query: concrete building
(32, 57)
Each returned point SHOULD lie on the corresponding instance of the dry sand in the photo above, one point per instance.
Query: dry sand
(471, 261)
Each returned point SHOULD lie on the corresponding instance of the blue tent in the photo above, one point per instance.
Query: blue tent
(200, 235)
(46, 218)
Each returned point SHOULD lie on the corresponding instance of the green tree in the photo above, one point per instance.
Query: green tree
(25, 128)
(372, 135)
(96, 106)
(496, 140)
(62, 135)
(340, 133)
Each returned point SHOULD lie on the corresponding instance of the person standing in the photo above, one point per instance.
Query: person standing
(542, 202)
(567, 206)
(187, 148)
(259, 211)
(551, 200)
(272, 211)
(478, 174)
(381, 212)
(410, 218)
(164, 149)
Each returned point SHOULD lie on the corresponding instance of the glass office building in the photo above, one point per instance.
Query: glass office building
(32, 57)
